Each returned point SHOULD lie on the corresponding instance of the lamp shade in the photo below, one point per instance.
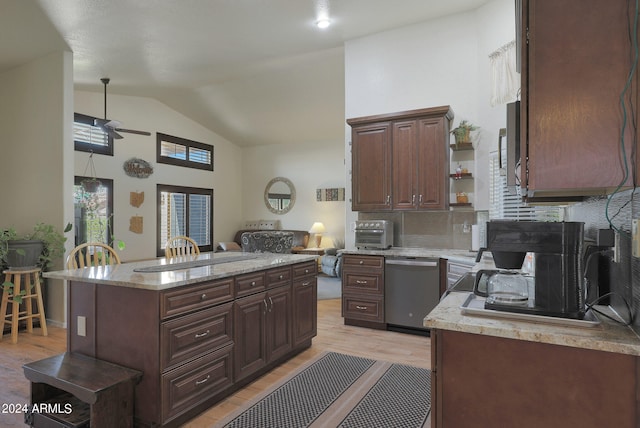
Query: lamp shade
(317, 227)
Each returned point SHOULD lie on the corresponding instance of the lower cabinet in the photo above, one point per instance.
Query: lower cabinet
(196, 344)
(262, 329)
(363, 290)
(486, 381)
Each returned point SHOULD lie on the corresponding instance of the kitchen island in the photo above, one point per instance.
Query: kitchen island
(490, 371)
(198, 328)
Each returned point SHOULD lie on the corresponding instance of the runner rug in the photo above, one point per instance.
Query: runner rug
(337, 390)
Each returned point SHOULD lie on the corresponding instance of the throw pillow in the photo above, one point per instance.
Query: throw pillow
(229, 246)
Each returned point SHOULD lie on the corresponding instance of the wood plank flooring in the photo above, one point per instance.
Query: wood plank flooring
(333, 335)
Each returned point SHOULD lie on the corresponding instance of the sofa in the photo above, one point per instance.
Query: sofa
(268, 241)
(331, 263)
(300, 239)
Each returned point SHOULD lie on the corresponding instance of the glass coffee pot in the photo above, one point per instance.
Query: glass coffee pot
(507, 288)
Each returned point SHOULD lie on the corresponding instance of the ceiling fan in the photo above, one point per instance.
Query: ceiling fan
(112, 127)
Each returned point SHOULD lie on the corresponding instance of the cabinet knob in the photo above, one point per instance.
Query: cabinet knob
(204, 296)
(253, 283)
(306, 271)
(361, 262)
(281, 276)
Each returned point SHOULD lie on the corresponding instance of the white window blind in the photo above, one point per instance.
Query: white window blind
(89, 134)
(508, 205)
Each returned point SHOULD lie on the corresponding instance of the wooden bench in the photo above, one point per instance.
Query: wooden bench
(74, 390)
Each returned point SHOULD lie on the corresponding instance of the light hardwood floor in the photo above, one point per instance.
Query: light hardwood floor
(333, 335)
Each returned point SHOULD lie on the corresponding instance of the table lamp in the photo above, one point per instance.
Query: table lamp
(317, 229)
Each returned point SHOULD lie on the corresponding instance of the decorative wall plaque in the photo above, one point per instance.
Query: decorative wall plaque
(136, 224)
(136, 199)
(136, 167)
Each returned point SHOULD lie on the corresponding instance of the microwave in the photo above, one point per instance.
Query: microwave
(374, 234)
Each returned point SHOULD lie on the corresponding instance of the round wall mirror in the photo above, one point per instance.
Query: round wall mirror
(280, 195)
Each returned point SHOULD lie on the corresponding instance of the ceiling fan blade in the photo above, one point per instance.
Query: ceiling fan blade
(113, 124)
(133, 131)
(115, 135)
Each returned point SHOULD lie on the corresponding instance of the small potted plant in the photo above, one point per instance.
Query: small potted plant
(462, 132)
(37, 248)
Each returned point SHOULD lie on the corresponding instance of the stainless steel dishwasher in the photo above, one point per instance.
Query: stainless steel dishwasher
(411, 291)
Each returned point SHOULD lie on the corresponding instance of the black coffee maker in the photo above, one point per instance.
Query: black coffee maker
(558, 253)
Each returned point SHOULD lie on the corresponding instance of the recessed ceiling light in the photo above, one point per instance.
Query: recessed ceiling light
(323, 23)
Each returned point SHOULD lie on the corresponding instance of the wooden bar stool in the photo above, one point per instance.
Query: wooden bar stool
(31, 285)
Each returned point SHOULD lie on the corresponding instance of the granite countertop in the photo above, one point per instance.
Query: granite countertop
(465, 256)
(608, 336)
(209, 266)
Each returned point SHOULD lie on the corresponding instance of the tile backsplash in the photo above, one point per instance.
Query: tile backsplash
(428, 229)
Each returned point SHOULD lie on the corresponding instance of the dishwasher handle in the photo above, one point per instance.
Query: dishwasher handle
(411, 262)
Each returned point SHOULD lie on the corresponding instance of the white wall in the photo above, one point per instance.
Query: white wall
(439, 62)
(309, 166)
(36, 114)
(150, 115)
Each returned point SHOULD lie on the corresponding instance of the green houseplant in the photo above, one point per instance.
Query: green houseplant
(462, 132)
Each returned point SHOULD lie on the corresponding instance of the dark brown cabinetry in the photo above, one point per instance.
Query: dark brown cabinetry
(400, 161)
(196, 344)
(363, 290)
(486, 381)
(576, 59)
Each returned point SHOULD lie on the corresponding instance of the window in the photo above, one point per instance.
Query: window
(507, 204)
(186, 211)
(89, 138)
(93, 212)
(182, 152)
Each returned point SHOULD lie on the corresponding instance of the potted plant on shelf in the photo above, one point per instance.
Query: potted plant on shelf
(462, 132)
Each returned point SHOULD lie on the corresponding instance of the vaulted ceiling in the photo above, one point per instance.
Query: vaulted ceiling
(254, 71)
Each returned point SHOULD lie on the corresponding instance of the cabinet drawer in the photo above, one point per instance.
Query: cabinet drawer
(361, 283)
(350, 260)
(192, 335)
(193, 383)
(363, 308)
(305, 269)
(276, 277)
(187, 299)
(250, 283)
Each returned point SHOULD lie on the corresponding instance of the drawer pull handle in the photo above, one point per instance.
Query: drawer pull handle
(200, 382)
(306, 283)
(363, 308)
(199, 335)
(271, 302)
(204, 296)
(360, 281)
(266, 308)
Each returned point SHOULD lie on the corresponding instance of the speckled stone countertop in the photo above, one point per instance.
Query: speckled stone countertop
(126, 274)
(461, 255)
(607, 336)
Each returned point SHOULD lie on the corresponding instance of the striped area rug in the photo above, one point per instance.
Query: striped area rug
(337, 390)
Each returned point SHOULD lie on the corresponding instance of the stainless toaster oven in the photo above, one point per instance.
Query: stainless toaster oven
(374, 234)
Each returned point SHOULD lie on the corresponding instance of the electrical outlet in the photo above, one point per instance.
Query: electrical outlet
(82, 326)
(616, 247)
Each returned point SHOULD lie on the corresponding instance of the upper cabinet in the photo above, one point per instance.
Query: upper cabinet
(576, 60)
(400, 161)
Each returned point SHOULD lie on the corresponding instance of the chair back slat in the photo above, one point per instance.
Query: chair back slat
(92, 254)
(180, 246)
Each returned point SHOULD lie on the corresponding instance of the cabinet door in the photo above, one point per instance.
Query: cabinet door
(404, 165)
(305, 310)
(249, 333)
(433, 162)
(279, 325)
(371, 167)
(575, 66)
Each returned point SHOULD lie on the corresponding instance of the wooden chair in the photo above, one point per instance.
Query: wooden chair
(181, 246)
(92, 254)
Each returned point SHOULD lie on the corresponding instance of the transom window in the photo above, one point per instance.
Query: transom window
(182, 152)
(185, 211)
(89, 138)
